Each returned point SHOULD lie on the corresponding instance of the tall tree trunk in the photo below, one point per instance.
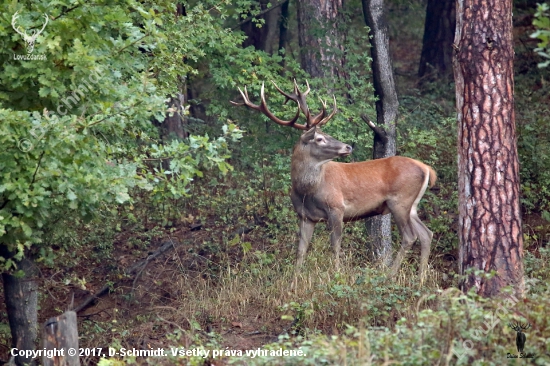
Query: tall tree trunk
(321, 55)
(490, 230)
(265, 37)
(437, 45)
(379, 227)
(174, 123)
(173, 126)
(283, 27)
(21, 297)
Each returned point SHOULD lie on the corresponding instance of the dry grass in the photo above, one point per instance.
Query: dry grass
(255, 293)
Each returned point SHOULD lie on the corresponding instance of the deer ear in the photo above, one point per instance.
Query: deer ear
(308, 135)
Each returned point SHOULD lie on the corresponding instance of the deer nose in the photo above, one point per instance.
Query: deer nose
(345, 150)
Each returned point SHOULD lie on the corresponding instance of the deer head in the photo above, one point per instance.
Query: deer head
(30, 39)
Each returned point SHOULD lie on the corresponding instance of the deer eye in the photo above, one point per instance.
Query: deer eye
(319, 139)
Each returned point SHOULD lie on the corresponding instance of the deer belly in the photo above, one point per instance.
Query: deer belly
(354, 212)
(310, 208)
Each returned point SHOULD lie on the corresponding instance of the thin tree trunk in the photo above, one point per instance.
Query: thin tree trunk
(437, 50)
(379, 227)
(21, 297)
(490, 230)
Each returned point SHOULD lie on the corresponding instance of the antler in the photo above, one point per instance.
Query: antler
(518, 327)
(36, 34)
(298, 97)
(13, 21)
(265, 110)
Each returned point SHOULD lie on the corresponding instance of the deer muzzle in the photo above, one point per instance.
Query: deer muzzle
(345, 150)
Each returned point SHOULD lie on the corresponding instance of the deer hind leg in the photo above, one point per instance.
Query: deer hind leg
(425, 236)
(421, 231)
(407, 232)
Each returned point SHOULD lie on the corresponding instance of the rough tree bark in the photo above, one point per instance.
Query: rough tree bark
(379, 227)
(174, 122)
(437, 44)
(21, 297)
(321, 41)
(60, 333)
(489, 211)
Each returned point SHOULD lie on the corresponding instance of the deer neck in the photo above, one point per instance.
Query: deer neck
(306, 172)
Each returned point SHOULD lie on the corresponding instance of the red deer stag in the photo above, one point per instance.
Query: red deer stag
(324, 190)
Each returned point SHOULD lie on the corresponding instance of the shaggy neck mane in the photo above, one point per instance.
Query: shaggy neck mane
(306, 172)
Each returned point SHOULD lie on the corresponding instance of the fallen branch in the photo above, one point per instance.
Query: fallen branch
(137, 268)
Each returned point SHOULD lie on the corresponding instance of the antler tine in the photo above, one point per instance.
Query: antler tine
(301, 99)
(246, 100)
(13, 21)
(45, 24)
(288, 97)
(238, 103)
(316, 119)
(307, 91)
(327, 118)
(297, 90)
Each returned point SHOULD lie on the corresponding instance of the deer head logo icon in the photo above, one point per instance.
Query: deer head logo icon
(520, 336)
(30, 39)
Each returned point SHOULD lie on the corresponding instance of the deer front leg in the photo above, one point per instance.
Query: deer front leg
(306, 231)
(335, 221)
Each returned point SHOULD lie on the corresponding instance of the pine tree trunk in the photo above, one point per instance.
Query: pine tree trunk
(379, 227)
(490, 230)
(437, 50)
(21, 297)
